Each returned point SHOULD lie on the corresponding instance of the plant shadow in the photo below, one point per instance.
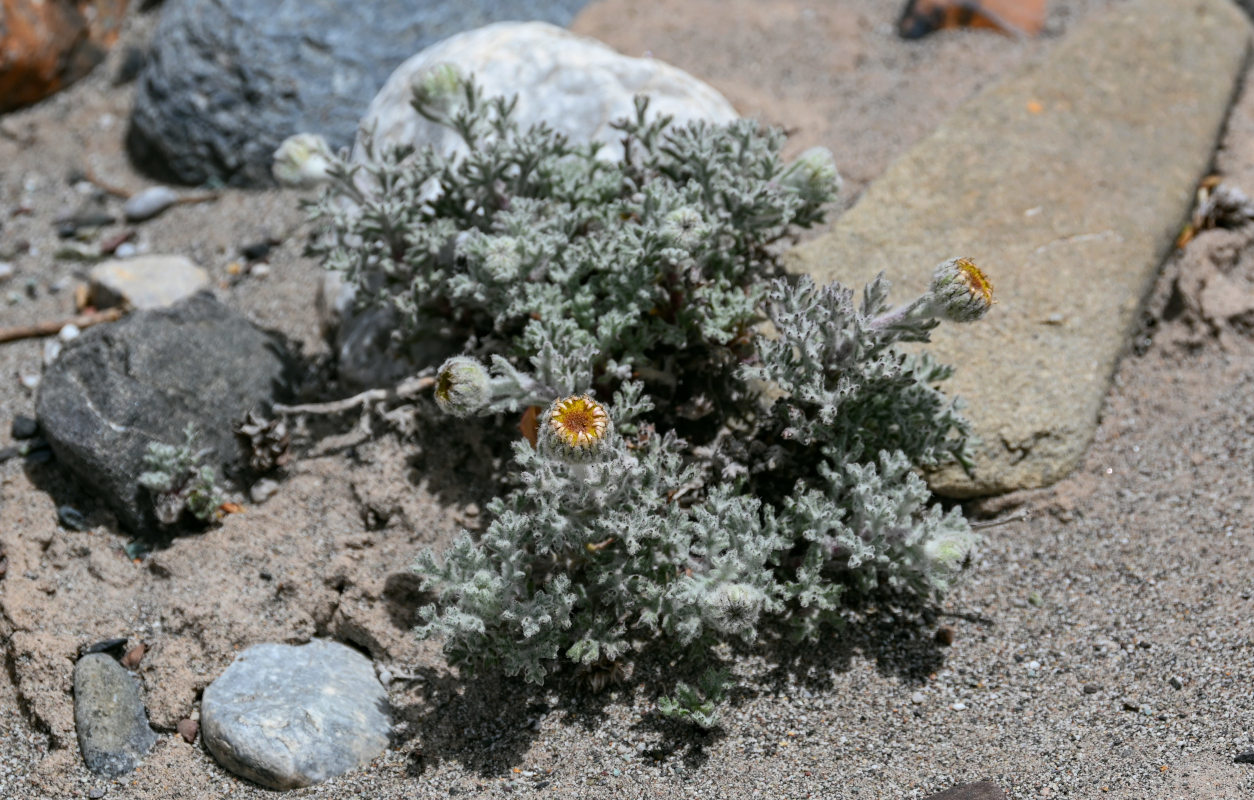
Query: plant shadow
(488, 723)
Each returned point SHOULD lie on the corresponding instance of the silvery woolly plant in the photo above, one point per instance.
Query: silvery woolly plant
(718, 449)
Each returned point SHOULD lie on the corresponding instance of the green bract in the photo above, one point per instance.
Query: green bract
(746, 479)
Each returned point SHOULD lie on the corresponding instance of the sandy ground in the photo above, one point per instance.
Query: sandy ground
(1133, 571)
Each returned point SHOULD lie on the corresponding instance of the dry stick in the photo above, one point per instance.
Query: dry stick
(406, 389)
(52, 328)
(127, 194)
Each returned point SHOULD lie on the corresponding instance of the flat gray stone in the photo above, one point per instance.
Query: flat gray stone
(1067, 183)
(289, 716)
(142, 282)
(113, 732)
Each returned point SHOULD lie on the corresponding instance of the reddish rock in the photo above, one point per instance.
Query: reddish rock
(45, 45)
(133, 656)
(188, 728)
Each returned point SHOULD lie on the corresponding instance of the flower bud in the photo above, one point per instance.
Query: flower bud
(462, 387)
(438, 88)
(302, 161)
(685, 227)
(732, 607)
(813, 175)
(960, 291)
(948, 551)
(574, 429)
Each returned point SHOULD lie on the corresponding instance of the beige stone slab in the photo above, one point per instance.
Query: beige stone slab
(1068, 183)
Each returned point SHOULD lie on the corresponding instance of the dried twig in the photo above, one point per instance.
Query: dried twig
(127, 194)
(52, 328)
(405, 390)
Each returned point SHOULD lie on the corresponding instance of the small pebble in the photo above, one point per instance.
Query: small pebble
(1245, 758)
(945, 636)
(959, 706)
(126, 250)
(6, 270)
(113, 647)
(23, 427)
(132, 64)
(52, 349)
(263, 490)
(188, 728)
(1176, 682)
(97, 792)
(72, 518)
(149, 203)
(1091, 688)
(69, 333)
(1131, 705)
(258, 250)
(1034, 665)
(917, 698)
(30, 381)
(133, 656)
(260, 270)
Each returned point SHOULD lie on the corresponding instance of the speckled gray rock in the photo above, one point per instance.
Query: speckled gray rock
(120, 386)
(228, 80)
(289, 716)
(152, 281)
(1068, 184)
(113, 732)
(575, 84)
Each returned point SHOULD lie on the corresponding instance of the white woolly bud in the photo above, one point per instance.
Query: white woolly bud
(949, 550)
(303, 161)
(732, 607)
(574, 429)
(685, 227)
(813, 174)
(462, 387)
(439, 87)
(960, 292)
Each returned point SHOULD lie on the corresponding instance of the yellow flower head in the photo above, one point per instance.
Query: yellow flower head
(960, 291)
(574, 428)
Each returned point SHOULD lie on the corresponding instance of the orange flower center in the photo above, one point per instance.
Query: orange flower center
(579, 421)
(976, 281)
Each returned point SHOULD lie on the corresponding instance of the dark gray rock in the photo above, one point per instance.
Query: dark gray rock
(119, 387)
(228, 80)
(23, 427)
(113, 732)
(323, 697)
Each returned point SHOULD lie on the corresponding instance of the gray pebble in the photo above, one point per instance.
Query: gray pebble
(1245, 758)
(263, 490)
(70, 517)
(1176, 682)
(23, 427)
(113, 732)
(325, 698)
(149, 203)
